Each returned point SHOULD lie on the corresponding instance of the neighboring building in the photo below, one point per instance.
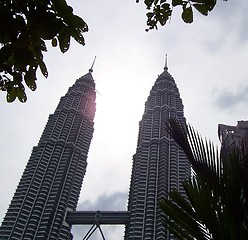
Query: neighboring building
(51, 182)
(159, 165)
(232, 136)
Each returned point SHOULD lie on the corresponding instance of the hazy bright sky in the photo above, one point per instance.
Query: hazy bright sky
(208, 60)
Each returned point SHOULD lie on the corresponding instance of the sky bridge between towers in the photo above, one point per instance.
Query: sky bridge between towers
(97, 218)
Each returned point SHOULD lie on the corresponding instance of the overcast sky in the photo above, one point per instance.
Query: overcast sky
(208, 60)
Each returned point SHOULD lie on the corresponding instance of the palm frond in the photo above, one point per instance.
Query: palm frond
(181, 216)
(202, 155)
(217, 194)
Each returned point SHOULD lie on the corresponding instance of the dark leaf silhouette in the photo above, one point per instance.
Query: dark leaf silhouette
(26, 27)
(216, 204)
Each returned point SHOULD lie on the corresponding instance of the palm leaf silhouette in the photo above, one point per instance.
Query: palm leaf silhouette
(217, 193)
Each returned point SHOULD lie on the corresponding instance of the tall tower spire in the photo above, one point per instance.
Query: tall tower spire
(159, 165)
(166, 63)
(91, 69)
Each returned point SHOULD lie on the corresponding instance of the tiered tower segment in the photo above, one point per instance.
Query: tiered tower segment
(52, 179)
(159, 165)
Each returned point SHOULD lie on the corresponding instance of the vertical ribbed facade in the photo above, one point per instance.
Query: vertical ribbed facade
(158, 164)
(51, 182)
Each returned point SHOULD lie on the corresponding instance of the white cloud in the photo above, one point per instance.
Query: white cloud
(115, 201)
(232, 99)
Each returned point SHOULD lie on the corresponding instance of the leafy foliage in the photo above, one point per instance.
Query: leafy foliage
(216, 206)
(25, 27)
(160, 11)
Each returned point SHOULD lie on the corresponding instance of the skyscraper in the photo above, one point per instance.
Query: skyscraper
(51, 182)
(232, 136)
(159, 165)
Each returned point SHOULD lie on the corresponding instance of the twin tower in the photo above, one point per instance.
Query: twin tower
(52, 180)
